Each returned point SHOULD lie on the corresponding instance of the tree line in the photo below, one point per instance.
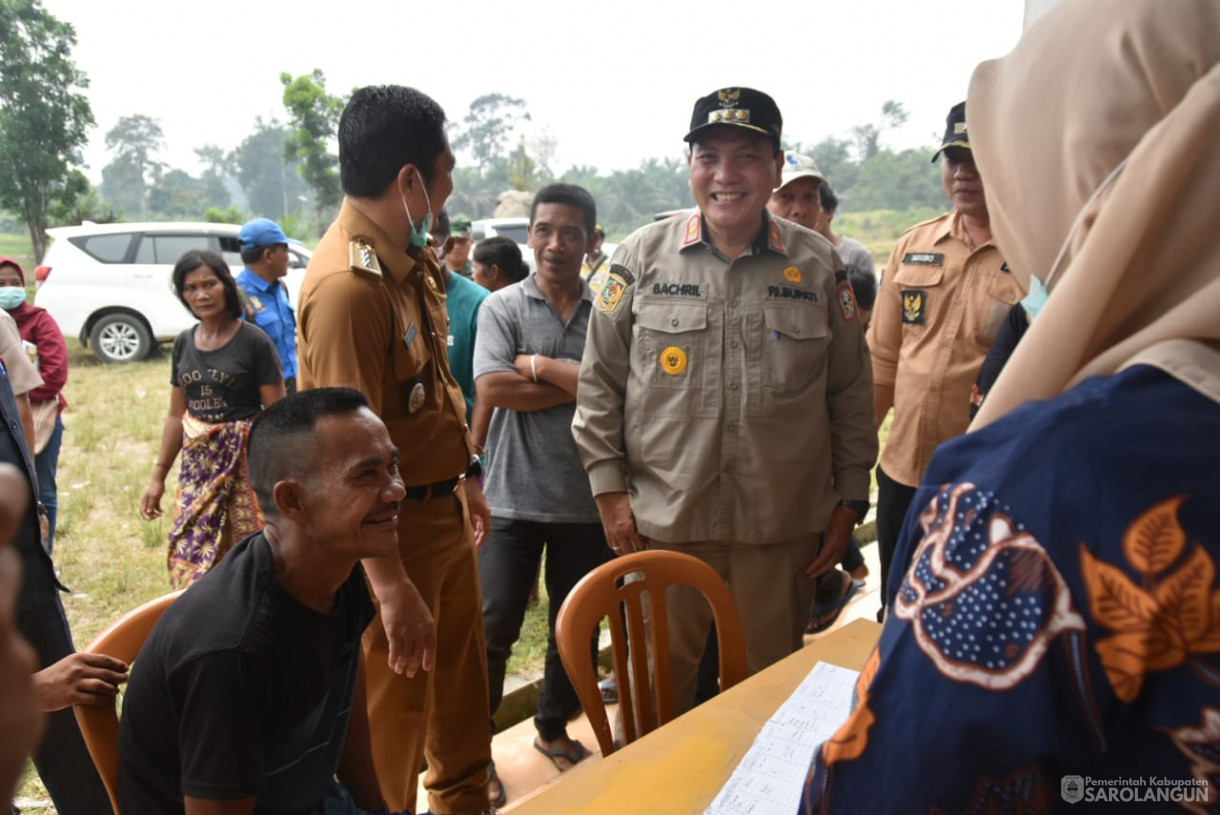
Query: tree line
(287, 170)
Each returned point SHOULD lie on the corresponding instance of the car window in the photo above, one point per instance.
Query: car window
(230, 250)
(296, 260)
(168, 248)
(105, 248)
(518, 234)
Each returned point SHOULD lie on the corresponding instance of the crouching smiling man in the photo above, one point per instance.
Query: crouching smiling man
(246, 698)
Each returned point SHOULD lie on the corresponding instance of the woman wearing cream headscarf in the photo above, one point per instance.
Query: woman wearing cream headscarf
(1059, 623)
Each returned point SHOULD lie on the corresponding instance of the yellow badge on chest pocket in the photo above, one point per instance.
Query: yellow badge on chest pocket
(673, 360)
(792, 274)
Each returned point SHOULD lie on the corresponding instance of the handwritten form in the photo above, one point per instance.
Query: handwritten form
(771, 775)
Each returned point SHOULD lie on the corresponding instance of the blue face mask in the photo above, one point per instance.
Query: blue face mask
(419, 237)
(11, 297)
(1036, 299)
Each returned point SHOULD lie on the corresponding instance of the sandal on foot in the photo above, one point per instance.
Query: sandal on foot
(573, 757)
(823, 615)
(502, 798)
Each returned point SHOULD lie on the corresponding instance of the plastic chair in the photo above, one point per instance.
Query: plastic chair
(99, 724)
(601, 593)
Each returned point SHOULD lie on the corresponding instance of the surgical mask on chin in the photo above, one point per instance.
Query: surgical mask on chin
(11, 297)
(1039, 291)
(419, 238)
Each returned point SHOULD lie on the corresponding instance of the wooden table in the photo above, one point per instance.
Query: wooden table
(680, 767)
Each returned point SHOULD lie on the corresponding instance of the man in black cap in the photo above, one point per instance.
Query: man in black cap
(943, 296)
(724, 407)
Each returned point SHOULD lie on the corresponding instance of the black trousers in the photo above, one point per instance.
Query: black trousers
(62, 759)
(508, 564)
(893, 501)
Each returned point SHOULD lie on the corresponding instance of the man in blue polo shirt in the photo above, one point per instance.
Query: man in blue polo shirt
(264, 250)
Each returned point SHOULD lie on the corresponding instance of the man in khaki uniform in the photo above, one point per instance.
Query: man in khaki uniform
(724, 408)
(944, 294)
(372, 317)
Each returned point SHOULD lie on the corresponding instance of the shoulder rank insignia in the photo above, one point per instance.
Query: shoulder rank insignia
(846, 298)
(363, 258)
(693, 230)
(914, 304)
(617, 281)
(774, 240)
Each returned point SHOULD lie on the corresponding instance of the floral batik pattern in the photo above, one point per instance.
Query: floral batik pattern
(215, 505)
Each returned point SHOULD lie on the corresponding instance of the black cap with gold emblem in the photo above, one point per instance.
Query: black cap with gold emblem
(739, 107)
(955, 130)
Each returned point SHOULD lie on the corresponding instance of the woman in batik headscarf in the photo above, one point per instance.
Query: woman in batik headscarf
(1058, 623)
(225, 370)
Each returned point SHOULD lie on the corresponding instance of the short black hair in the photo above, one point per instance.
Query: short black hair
(280, 433)
(383, 128)
(571, 195)
(830, 201)
(503, 252)
(254, 254)
(863, 285)
(195, 258)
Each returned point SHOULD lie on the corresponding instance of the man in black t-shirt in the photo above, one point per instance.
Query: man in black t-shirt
(246, 697)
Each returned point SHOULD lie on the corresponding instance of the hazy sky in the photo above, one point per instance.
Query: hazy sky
(613, 81)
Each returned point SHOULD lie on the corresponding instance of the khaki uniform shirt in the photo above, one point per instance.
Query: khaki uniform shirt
(937, 311)
(730, 398)
(373, 317)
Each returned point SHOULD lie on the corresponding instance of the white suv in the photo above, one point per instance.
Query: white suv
(109, 284)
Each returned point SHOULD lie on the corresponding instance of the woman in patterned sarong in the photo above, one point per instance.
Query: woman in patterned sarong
(225, 370)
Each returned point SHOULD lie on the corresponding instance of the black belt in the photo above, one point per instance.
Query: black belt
(436, 490)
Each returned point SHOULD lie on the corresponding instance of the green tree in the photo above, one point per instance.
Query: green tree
(833, 157)
(79, 202)
(488, 126)
(896, 181)
(135, 140)
(270, 179)
(315, 116)
(43, 116)
(868, 136)
(178, 194)
(216, 167)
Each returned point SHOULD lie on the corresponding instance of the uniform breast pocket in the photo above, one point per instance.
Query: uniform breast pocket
(674, 344)
(411, 353)
(1003, 290)
(918, 294)
(794, 346)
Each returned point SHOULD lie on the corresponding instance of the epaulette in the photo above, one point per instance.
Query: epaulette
(363, 258)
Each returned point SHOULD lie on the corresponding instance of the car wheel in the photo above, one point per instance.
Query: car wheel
(120, 338)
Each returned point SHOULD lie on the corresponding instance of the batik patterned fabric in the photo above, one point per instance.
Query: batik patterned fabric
(1056, 613)
(215, 505)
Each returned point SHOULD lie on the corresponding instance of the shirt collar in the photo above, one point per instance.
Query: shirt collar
(249, 276)
(769, 237)
(953, 227)
(530, 286)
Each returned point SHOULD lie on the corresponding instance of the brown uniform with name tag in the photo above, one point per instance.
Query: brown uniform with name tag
(940, 304)
(732, 401)
(373, 317)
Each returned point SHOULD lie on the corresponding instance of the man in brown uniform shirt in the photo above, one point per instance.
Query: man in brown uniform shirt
(372, 317)
(943, 296)
(724, 399)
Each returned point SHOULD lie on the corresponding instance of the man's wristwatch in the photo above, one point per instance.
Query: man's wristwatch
(858, 507)
(475, 468)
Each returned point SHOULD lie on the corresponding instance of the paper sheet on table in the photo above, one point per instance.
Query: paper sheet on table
(771, 775)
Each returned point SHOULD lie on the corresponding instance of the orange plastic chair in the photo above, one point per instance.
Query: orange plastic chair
(99, 724)
(601, 593)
